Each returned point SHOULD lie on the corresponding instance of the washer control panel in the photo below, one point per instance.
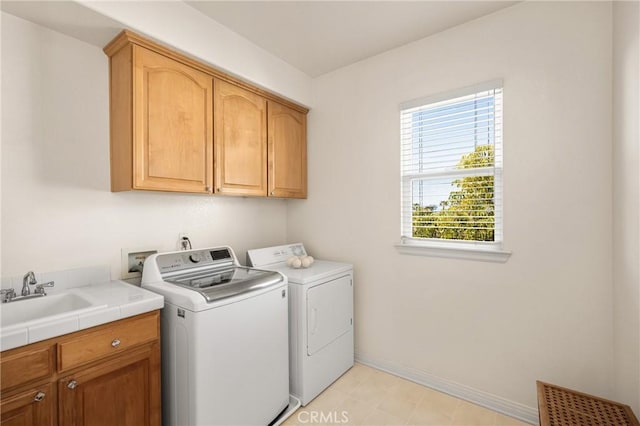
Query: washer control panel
(179, 261)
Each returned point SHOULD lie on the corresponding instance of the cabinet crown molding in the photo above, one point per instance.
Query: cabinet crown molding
(127, 37)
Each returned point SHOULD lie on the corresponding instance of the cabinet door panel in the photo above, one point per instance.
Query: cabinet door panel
(287, 152)
(173, 125)
(32, 407)
(240, 141)
(124, 391)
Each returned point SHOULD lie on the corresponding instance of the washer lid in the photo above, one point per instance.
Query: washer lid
(220, 284)
(319, 270)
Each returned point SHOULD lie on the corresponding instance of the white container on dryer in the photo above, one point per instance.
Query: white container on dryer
(320, 318)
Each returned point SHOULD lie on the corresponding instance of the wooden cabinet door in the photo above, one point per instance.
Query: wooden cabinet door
(32, 407)
(173, 119)
(124, 392)
(287, 152)
(240, 141)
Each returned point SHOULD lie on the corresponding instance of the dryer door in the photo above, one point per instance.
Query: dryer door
(329, 312)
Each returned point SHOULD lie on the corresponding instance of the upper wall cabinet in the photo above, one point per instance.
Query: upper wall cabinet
(165, 142)
(172, 135)
(180, 125)
(240, 140)
(287, 152)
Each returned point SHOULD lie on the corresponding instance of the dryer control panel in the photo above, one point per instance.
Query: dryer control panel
(277, 254)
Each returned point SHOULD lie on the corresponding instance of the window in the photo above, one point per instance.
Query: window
(451, 162)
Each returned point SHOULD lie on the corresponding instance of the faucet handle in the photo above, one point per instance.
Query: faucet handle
(8, 294)
(40, 287)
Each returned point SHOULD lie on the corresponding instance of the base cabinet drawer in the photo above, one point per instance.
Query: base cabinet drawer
(95, 345)
(24, 365)
(34, 406)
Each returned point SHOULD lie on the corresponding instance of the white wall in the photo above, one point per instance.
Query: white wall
(57, 209)
(545, 314)
(626, 196)
(179, 25)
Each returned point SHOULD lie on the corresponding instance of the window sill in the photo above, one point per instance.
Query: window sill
(483, 254)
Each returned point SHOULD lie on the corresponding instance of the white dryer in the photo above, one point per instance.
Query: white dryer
(320, 318)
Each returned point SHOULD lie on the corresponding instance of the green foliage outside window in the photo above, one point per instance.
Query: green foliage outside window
(469, 212)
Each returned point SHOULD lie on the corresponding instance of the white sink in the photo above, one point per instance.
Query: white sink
(41, 308)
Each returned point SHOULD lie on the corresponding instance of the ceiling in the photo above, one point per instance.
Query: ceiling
(320, 36)
(67, 17)
(315, 37)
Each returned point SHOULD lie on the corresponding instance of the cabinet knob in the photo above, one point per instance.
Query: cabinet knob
(273, 192)
(72, 384)
(115, 343)
(208, 188)
(39, 396)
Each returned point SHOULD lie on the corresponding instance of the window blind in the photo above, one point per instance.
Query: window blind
(451, 162)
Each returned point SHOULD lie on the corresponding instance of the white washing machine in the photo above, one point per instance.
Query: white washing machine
(320, 318)
(225, 353)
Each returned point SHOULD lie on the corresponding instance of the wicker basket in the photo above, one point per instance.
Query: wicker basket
(559, 406)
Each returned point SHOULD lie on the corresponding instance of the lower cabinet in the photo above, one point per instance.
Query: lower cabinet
(115, 382)
(35, 406)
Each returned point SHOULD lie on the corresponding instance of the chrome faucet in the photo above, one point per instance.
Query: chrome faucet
(28, 279)
(9, 294)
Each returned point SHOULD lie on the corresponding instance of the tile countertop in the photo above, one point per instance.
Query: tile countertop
(114, 300)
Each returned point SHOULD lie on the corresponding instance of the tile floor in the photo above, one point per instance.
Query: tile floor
(366, 396)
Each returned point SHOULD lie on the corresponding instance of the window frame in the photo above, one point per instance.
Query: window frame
(461, 249)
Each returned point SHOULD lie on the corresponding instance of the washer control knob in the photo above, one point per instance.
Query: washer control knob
(195, 258)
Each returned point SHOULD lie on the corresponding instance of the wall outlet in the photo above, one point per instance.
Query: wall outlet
(133, 261)
(182, 243)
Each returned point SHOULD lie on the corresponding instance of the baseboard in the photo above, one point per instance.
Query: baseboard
(490, 401)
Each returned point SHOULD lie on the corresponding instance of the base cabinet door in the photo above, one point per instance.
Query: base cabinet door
(287, 152)
(124, 392)
(32, 407)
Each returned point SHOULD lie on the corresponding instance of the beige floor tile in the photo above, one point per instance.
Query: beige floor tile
(331, 398)
(382, 418)
(502, 420)
(360, 371)
(467, 414)
(409, 391)
(423, 416)
(439, 402)
(370, 397)
(369, 393)
(380, 378)
(356, 411)
(397, 406)
(347, 382)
